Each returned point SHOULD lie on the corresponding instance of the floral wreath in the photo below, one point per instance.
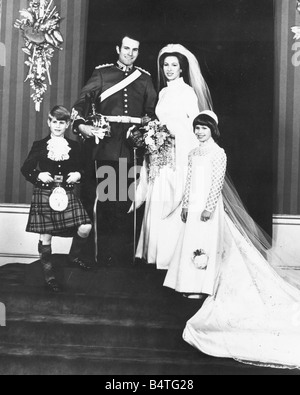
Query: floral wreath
(200, 259)
(40, 25)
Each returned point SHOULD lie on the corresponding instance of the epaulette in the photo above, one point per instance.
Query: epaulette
(104, 65)
(144, 71)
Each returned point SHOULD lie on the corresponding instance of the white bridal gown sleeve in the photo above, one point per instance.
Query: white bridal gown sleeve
(177, 109)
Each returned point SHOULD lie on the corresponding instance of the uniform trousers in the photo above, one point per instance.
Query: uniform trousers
(115, 225)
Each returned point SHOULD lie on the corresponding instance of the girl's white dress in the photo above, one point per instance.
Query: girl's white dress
(177, 108)
(186, 274)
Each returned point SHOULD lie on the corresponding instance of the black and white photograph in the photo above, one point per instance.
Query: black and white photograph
(149, 190)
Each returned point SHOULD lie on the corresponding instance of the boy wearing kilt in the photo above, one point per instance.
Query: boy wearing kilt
(54, 167)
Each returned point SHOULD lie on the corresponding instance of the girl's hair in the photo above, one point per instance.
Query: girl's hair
(60, 113)
(206, 120)
(184, 65)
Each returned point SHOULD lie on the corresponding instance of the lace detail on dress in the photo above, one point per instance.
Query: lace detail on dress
(219, 163)
(186, 196)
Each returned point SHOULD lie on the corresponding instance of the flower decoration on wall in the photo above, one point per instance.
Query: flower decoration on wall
(296, 29)
(40, 25)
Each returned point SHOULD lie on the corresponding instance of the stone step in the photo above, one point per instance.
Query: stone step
(76, 330)
(62, 360)
(169, 312)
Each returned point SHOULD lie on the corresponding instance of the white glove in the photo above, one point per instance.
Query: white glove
(129, 131)
(99, 134)
(74, 178)
(46, 178)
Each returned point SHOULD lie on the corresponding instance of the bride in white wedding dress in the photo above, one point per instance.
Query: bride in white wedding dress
(252, 314)
(183, 96)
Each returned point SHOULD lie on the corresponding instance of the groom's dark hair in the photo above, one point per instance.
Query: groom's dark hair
(132, 36)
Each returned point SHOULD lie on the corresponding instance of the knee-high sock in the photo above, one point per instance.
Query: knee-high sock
(40, 247)
(46, 253)
(77, 246)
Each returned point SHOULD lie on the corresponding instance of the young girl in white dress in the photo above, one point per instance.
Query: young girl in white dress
(252, 310)
(198, 254)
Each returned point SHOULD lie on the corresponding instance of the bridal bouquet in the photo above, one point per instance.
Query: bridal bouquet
(159, 145)
(157, 137)
(200, 259)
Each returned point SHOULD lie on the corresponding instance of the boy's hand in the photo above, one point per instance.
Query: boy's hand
(46, 178)
(74, 178)
(205, 216)
(184, 214)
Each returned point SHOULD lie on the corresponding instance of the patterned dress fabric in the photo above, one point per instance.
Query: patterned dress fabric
(207, 167)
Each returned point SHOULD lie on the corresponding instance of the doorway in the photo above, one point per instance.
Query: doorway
(234, 43)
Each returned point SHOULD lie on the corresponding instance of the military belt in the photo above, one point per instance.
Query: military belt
(123, 119)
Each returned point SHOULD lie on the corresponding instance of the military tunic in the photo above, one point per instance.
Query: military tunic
(136, 100)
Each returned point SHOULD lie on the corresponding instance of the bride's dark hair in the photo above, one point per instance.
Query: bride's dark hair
(191, 73)
(184, 65)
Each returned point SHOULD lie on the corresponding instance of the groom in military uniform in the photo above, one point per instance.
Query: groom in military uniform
(124, 94)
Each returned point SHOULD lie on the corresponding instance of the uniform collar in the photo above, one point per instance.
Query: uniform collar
(123, 67)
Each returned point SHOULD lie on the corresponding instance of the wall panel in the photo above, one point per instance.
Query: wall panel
(20, 124)
(287, 104)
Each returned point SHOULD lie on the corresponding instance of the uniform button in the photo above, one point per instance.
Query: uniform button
(126, 100)
(126, 112)
(126, 95)
(125, 90)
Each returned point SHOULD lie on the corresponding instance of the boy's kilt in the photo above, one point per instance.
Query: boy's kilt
(44, 220)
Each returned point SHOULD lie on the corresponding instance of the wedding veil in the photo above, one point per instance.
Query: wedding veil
(196, 79)
(276, 255)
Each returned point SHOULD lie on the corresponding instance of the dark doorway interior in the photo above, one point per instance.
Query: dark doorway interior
(234, 43)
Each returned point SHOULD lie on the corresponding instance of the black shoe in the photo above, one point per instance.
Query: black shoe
(81, 264)
(53, 286)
